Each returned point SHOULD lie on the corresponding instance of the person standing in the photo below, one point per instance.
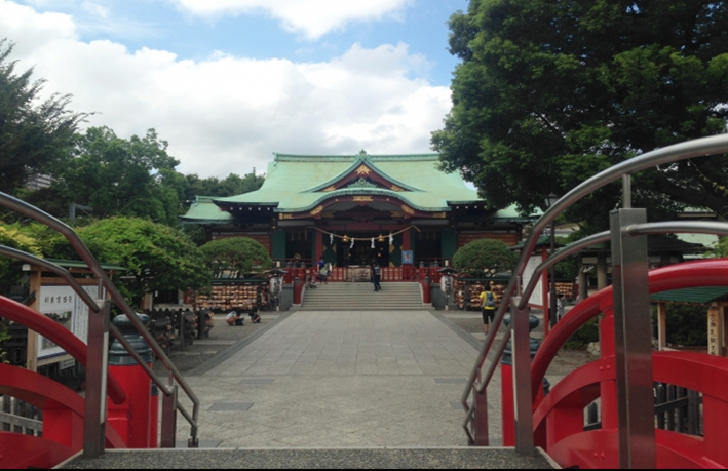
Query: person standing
(490, 303)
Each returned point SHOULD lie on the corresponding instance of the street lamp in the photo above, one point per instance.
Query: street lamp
(551, 200)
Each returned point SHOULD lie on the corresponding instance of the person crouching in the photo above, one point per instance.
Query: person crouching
(234, 319)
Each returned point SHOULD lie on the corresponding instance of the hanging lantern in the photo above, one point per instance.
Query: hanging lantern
(346, 238)
(381, 238)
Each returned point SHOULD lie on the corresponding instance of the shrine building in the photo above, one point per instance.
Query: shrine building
(395, 209)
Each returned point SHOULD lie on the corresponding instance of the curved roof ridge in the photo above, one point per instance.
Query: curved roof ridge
(309, 157)
(361, 160)
(361, 192)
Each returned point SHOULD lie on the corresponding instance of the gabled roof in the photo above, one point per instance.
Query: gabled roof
(296, 183)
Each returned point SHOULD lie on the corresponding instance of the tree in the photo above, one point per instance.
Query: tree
(159, 257)
(131, 178)
(236, 257)
(10, 272)
(232, 185)
(550, 93)
(485, 257)
(34, 137)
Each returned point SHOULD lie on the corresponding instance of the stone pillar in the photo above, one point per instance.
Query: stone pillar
(602, 271)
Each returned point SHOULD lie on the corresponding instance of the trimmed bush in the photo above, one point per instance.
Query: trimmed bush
(484, 258)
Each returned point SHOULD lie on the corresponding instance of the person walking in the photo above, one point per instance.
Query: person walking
(490, 303)
(376, 276)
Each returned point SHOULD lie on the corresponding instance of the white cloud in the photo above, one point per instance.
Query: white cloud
(313, 18)
(228, 114)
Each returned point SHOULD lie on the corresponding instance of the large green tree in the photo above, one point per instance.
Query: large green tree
(35, 136)
(549, 93)
(159, 257)
(236, 257)
(119, 177)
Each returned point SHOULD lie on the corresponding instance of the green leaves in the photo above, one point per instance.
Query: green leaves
(33, 136)
(484, 258)
(160, 257)
(236, 257)
(550, 93)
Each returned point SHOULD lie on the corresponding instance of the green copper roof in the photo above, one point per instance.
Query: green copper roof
(203, 210)
(702, 295)
(296, 183)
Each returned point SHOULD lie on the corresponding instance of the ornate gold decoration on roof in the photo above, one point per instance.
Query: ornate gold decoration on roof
(363, 183)
(363, 198)
(441, 215)
(397, 214)
(328, 215)
(396, 188)
(407, 209)
(317, 210)
(363, 170)
(286, 216)
(329, 189)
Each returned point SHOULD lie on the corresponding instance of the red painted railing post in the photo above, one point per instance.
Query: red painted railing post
(426, 292)
(297, 292)
(132, 420)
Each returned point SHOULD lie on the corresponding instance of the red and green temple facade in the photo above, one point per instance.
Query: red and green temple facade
(313, 206)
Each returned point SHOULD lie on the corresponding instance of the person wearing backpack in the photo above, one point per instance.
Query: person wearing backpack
(490, 303)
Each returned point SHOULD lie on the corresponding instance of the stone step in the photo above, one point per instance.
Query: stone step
(361, 296)
(316, 458)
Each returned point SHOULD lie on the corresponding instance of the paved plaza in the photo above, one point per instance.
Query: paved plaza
(340, 379)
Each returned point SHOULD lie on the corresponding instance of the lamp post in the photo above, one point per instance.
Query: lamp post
(551, 200)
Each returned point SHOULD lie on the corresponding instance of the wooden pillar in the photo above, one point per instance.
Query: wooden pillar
(545, 292)
(32, 353)
(724, 333)
(583, 284)
(715, 329)
(319, 247)
(407, 240)
(662, 326)
(602, 270)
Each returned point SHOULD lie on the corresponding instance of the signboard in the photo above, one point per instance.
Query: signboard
(408, 257)
(64, 306)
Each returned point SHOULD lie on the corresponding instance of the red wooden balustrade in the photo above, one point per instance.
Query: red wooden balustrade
(559, 417)
(63, 409)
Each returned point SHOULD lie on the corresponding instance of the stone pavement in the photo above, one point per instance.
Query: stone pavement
(341, 379)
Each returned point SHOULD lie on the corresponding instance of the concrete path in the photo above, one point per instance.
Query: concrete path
(341, 379)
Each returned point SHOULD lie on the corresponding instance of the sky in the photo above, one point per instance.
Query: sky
(227, 83)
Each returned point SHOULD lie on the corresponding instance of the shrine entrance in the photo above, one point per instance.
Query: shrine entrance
(363, 252)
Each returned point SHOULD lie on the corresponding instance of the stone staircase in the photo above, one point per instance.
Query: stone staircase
(362, 297)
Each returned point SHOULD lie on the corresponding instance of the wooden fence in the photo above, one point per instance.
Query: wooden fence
(17, 416)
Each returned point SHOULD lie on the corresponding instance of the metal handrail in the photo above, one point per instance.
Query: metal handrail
(697, 148)
(95, 267)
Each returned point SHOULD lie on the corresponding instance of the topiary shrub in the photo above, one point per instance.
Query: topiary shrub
(484, 258)
(235, 257)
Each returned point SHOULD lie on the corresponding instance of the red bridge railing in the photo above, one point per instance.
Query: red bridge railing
(559, 417)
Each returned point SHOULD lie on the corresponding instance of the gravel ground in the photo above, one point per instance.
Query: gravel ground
(222, 337)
